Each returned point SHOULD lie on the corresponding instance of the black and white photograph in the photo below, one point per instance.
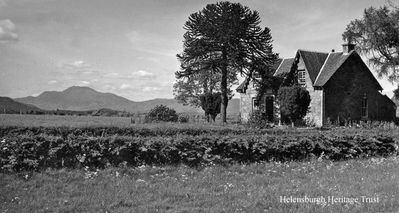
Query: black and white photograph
(199, 106)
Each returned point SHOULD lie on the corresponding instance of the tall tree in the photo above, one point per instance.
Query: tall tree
(225, 38)
(200, 90)
(377, 36)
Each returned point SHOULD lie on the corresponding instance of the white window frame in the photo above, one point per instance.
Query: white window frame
(302, 77)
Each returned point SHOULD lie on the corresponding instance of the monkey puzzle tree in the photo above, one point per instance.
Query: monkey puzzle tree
(225, 38)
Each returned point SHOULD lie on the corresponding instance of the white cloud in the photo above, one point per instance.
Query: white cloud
(78, 64)
(109, 87)
(8, 31)
(151, 89)
(84, 83)
(126, 86)
(142, 74)
(52, 82)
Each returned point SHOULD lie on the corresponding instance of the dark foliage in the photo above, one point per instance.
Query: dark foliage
(294, 102)
(210, 103)
(161, 113)
(396, 93)
(37, 151)
(225, 38)
(258, 119)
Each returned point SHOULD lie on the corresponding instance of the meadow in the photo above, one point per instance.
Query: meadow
(106, 164)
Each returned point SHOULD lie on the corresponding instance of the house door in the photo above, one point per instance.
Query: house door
(269, 107)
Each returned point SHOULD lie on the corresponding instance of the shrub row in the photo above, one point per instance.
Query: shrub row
(144, 131)
(26, 152)
(164, 130)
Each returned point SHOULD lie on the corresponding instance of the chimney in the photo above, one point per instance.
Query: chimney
(347, 47)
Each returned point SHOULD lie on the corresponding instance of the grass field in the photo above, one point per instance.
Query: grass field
(357, 185)
(82, 121)
(58, 120)
(239, 188)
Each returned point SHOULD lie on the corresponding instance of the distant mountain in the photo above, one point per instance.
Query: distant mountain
(77, 98)
(86, 98)
(8, 105)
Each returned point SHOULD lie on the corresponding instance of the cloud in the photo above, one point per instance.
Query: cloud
(126, 86)
(142, 74)
(79, 64)
(151, 89)
(84, 83)
(52, 82)
(8, 31)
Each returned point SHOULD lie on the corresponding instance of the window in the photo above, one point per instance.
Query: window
(364, 106)
(255, 104)
(301, 77)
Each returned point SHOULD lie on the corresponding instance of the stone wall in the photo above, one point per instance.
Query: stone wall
(246, 107)
(314, 115)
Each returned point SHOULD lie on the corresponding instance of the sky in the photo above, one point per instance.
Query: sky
(129, 47)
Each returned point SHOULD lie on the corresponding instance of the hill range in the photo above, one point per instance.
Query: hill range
(85, 98)
(8, 105)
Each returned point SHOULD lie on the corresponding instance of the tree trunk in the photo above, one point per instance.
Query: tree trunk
(223, 85)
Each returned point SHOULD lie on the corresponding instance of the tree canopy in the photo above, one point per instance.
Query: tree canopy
(225, 38)
(377, 36)
(188, 90)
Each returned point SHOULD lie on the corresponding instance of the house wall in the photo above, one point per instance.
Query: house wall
(345, 90)
(246, 102)
(315, 111)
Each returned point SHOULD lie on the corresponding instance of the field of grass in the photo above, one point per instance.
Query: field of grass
(316, 184)
(84, 121)
(58, 120)
(343, 186)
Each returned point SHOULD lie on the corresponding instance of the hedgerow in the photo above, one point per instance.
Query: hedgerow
(30, 151)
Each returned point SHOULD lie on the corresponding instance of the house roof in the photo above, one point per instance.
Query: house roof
(313, 62)
(320, 66)
(242, 88)
(284, 67)
(330, 66)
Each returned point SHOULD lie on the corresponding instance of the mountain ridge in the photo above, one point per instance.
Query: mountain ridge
(85, 98)
(8, 105)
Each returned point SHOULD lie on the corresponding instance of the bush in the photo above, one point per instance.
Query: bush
(294, 102)
(161, 113)
(183, 118)
(31, 150)
(258, 120)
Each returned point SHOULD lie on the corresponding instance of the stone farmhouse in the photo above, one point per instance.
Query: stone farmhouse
(340, 85)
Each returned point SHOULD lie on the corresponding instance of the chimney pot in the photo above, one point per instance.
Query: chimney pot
(347, 47)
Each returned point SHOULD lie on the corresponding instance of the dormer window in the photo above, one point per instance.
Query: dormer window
(301, 77)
